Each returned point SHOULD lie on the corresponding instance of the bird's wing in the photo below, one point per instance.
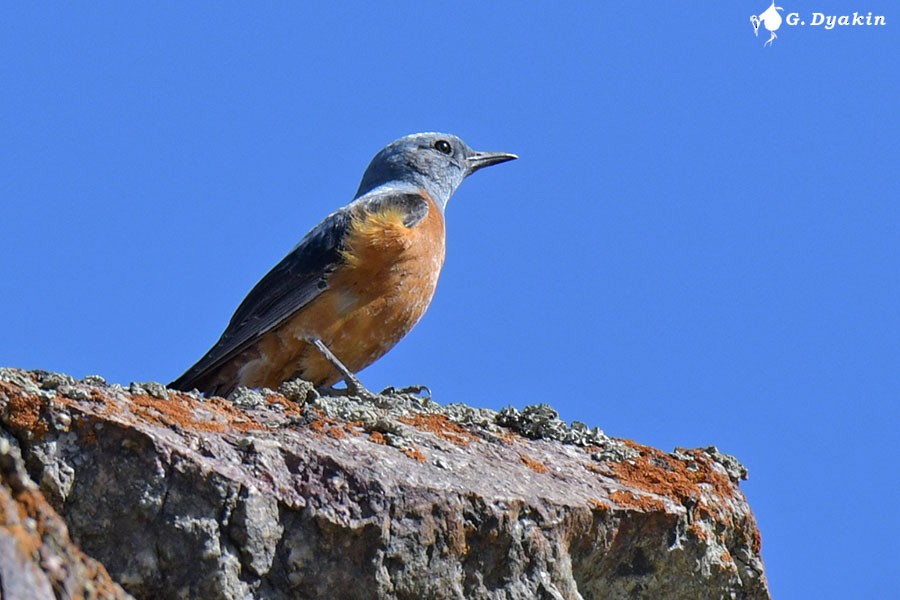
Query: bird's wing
(289, 286)
(298, 279)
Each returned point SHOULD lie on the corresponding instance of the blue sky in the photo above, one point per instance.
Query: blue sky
(699, 244)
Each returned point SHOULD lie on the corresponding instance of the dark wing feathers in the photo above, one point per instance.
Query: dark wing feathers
(290, 285)
(296, 280)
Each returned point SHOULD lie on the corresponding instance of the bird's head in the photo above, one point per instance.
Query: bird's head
(437, 162)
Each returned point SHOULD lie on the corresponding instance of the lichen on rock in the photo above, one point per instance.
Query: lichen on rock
(293, 494)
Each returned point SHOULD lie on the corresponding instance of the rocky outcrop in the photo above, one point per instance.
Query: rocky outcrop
(291, 495)
(38, 560)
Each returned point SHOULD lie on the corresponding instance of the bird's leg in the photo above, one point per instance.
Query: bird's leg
(354, 386)
(770, 39)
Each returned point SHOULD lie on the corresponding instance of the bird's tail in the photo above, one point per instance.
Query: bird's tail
(207, 382)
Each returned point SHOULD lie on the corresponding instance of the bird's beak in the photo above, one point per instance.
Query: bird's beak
(479, 160)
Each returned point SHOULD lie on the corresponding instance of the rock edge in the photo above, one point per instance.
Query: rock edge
(289, 494)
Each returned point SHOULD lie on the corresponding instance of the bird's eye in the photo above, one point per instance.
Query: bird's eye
(444, 147)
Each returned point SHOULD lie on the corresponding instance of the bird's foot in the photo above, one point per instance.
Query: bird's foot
(357, 389)
(354, 389)
(422, 391)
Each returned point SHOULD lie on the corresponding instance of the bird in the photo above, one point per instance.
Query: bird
(354, 285)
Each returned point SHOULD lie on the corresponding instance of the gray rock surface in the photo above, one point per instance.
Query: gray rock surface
(38, 560)
(290, 495)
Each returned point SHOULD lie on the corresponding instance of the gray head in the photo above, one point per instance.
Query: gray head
(437, 162)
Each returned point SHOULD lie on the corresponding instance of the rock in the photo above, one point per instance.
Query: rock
(38, 560)
(294, 495)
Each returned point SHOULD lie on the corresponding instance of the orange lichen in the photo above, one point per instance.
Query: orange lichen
(756, 542)
(656, 472)
(595, 468)
(508, 437)
(640, 502)
(336, 432)
(335, 429)
(22, 507)
(353, 427)
(289, 406)
(598, 505)
(534, 465)
(180, 410)
(698, 531)
(85, 427)
(24, 411)
(414, 453)
(442, 427)
(377, 437)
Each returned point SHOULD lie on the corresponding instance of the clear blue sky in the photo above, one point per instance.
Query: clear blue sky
(700, 244)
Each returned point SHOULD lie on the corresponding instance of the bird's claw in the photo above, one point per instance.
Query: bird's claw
(422, 391)
(356, 390)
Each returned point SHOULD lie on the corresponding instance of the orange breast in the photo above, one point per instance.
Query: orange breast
(380, 292)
